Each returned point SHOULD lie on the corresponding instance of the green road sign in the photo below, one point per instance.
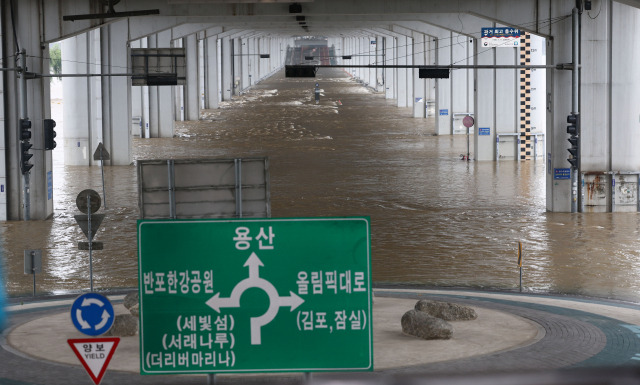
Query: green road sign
(255, 295)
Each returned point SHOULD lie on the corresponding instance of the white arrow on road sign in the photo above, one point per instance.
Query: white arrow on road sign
(254, 280)
(92, 301)
(81, 321)
(105, 319)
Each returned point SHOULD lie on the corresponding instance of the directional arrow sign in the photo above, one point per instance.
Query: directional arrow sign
(254, 281)
(94, 354)
(255, 295)
(92, 314)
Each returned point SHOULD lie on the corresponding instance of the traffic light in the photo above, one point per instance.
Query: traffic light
(25, 126)
(49, 134)
(25, 135)
(573, 129)
(25, 166)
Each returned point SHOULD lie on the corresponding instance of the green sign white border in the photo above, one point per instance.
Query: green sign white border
(366, 220)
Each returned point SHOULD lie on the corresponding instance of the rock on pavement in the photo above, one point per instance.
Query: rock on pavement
(420, 324)
(446, 310)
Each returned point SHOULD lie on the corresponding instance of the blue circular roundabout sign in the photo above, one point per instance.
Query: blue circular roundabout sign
(92, 314)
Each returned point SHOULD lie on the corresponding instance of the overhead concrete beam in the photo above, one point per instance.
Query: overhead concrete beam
(185, 30)
(338, 7)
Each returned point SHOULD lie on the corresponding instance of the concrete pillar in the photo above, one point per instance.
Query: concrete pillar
(367, 59)
(161, 111)
(178, 94)
(244, 63)
(140, 101)
(460, 81)
(237, 65)
(227, 68)
(609, 111)
(116, 93)
(380, 59)
(191, 89)
(443, 88)
(359, 58)
(201, 73)
(431, 83)
(211, 72)
(254, 72)
(136, 103)
(371, 59)
(390, 73)
(409, 72)
(362, 51)
(419, 91)
(625, 88)
(40, 182)
(76, 109)
(256, 63)
(485, 120)
(401, 55)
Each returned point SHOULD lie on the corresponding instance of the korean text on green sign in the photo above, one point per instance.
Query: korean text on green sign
(259, 295)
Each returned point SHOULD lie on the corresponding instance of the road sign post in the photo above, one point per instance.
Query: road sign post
(255, 295)
(102, 154)
(33, 264)
(88, 202)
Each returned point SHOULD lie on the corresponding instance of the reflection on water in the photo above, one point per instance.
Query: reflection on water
(436, 220)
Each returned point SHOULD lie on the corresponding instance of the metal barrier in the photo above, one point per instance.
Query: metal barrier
(609, 191)
(517, 143)
(453, 120)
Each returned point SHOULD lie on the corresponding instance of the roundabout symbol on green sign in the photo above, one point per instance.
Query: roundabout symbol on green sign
(255, 295)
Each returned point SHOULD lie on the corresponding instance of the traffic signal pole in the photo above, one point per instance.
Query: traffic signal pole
(575, 108)
(22, 99)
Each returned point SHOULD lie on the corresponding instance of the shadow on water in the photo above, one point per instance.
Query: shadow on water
(436, 220)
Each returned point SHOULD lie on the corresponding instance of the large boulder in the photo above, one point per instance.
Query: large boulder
(135, 310)
(422, 325)
(446, 310)
(124, 325)
(130, 300)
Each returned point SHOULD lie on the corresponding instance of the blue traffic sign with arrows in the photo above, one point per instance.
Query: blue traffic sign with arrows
(92, 314)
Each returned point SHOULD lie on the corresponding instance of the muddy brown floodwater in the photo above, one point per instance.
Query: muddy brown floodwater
(436, 220)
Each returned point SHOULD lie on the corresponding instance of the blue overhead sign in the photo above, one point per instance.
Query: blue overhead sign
(500, 37)
(92, 314)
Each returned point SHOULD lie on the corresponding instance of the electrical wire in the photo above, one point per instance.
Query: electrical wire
(547, 22)
(599, 10)
(13, 24)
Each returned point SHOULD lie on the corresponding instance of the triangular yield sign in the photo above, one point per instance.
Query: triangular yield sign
(83, 222)
(101, 153)
(94, 354)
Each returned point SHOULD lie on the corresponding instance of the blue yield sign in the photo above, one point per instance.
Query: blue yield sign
(92, 314)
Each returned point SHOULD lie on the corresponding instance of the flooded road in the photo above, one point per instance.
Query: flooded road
(436, 220)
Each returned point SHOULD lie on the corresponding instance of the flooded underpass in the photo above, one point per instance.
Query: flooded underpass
(436, 220)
